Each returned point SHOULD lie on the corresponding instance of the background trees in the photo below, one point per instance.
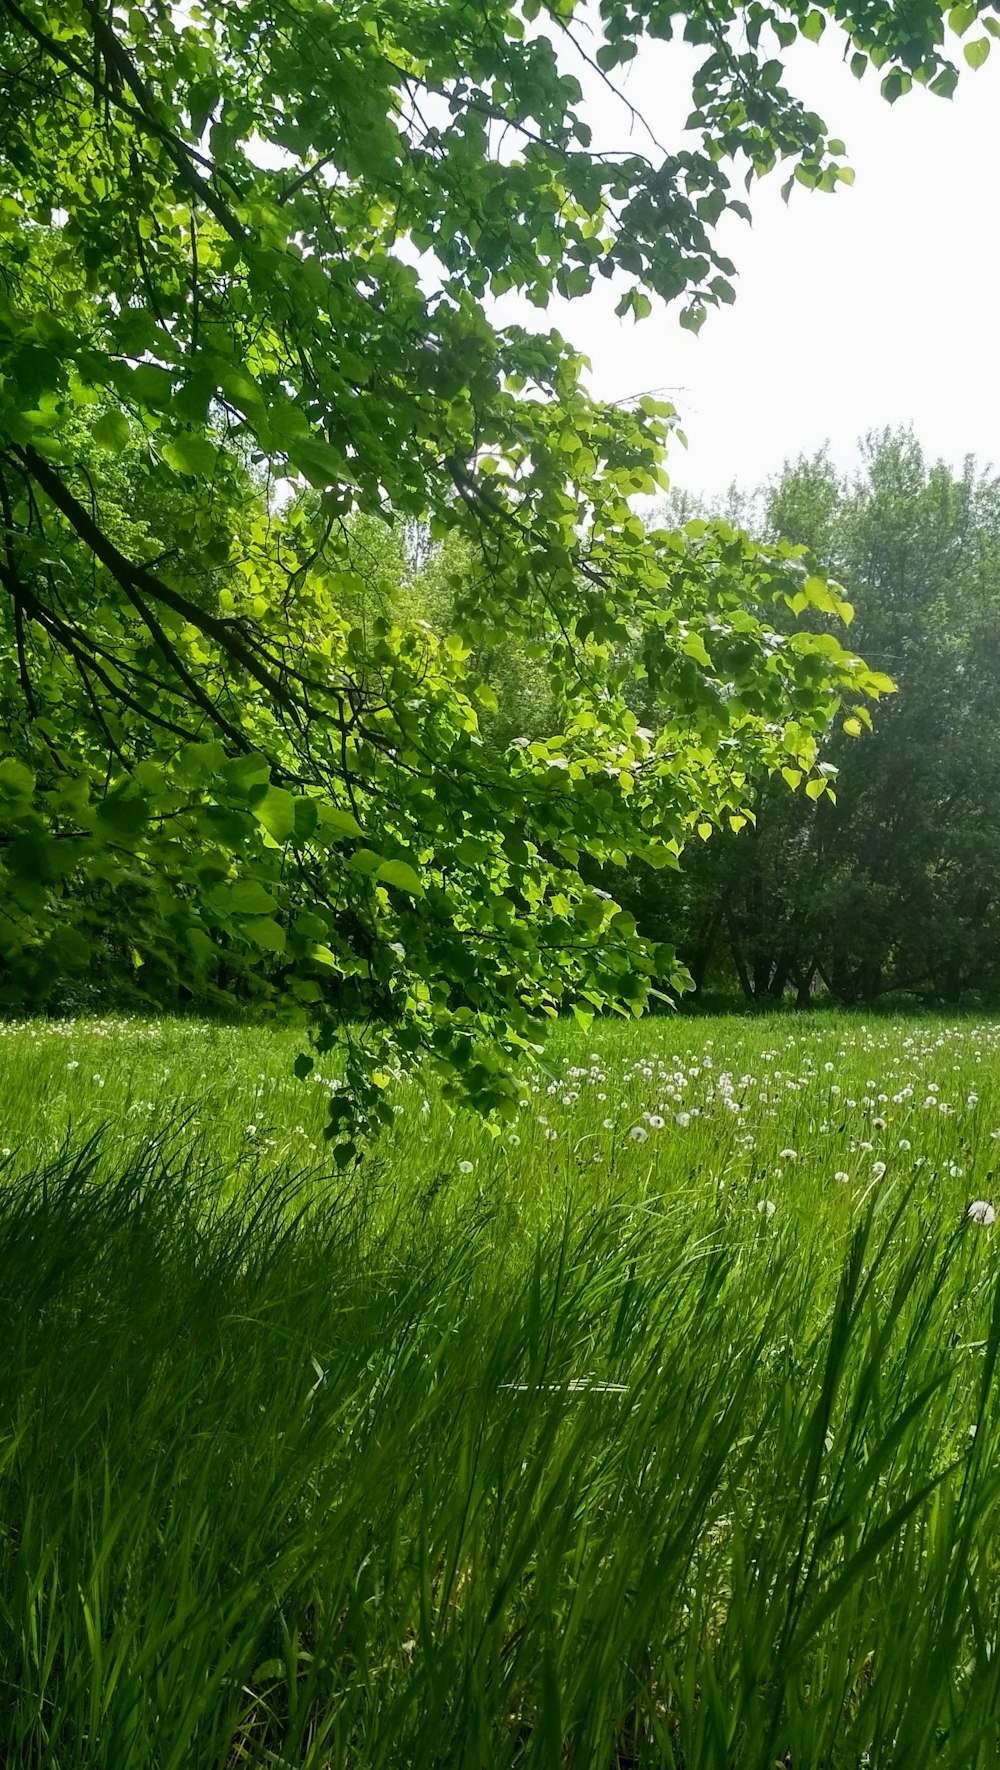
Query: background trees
(893, 886)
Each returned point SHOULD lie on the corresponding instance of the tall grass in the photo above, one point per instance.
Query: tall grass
(552, 1462)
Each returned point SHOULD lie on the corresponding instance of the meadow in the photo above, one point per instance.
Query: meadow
(659, 1430)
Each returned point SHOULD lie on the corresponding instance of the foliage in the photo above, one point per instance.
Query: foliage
(549, 1462)
(247, 249)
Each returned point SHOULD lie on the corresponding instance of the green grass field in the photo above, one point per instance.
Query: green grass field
(660, 1430)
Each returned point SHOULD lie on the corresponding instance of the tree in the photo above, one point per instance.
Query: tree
(893, 885)
(247, 248)
(911, 848)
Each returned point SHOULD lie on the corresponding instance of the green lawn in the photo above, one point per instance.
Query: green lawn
(660, 1430)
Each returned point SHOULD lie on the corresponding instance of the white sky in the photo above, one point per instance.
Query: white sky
(875, 305)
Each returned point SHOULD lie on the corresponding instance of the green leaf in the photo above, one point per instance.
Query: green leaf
(245, 897)
(276, 811)
(365, 861)
(197, 764)
(320, 464)
(112, 431)
(306, 819)
(123, 813)
(401, 875)
(190, 453)
(245, 772)
(16, 781)
(977, 51)
(265, 932)
(336, 822)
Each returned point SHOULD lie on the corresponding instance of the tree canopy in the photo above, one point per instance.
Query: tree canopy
(247, 255)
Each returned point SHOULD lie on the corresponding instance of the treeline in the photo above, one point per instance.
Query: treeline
(896, 887)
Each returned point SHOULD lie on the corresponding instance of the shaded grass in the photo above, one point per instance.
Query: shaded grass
(302, 1477)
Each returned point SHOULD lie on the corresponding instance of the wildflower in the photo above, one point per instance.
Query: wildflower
(879, 1124)
(73, 1064)
(514, 1139)
(878, 1169)
(904, 1143)
(465, 1167)
(981, 1211)
(788, 1155)
(607, 1124)
(638, 1133)
(842, 1177)
(766, 1207)
(251, 1130)
(655, 1122)
(683, 1119)
(550, 1135)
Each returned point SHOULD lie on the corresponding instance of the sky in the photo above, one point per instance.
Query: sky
(876, 305)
